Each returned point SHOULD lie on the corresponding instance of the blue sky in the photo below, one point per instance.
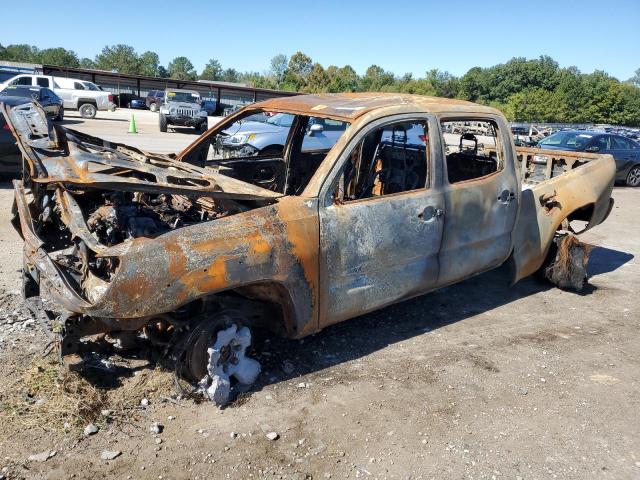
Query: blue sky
(409, 36)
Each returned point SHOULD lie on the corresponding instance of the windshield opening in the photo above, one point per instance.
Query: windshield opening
(281, 119)
(91, 86)
(572, 140)
(183, 97)
(280, 153)
(21, 92)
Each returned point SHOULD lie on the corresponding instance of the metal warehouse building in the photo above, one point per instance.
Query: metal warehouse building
(226, 94)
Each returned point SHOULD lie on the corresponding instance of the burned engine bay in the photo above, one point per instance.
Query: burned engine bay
(102, 195)
(83, 205)
(112, 218)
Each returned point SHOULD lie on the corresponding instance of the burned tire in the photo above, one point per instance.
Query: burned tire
(566, 263)
(163, 123)
(214, 356)
(87, 110)
(633, 177)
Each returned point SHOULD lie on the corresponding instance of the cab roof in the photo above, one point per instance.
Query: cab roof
(182, 90)
(350, 106)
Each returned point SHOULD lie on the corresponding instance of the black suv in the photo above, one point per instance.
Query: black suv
(155, 98)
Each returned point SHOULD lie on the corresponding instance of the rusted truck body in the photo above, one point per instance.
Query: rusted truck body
(117, 239)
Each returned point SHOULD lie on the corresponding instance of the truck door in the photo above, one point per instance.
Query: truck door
(380, 219)
(481, 196)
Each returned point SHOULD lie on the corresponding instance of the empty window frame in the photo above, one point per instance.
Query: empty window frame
(390, 159)
(473, 149)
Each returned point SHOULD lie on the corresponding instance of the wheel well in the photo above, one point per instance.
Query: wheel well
(82, 101)
(584, 213)
(281, 316)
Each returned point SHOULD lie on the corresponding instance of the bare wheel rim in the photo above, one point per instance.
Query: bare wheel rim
(633, 179)
(87, 110)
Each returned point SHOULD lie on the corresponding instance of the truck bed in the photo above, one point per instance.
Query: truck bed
(537, 165)
(558, 187)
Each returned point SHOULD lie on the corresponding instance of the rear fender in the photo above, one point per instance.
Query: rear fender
(545, 206)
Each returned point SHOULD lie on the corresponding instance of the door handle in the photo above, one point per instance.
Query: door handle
(430, 213)
(506, 197)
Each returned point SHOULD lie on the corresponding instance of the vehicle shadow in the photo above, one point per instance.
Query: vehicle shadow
(185, 130)
(78, 120)
(6, 179)
(284, 360)
(67, 121)
(364, 335)
(605, 260)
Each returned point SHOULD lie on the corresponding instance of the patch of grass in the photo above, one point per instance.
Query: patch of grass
(47, 395)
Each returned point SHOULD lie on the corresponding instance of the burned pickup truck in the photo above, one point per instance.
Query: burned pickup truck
(190, 252)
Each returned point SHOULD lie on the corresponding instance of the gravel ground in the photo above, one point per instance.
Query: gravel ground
(478, 380)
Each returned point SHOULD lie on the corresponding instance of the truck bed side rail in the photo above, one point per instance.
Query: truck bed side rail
(537, 165)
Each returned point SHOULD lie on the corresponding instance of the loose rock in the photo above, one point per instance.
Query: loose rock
(272, 436)
(156, 428)
(90, 429)
(42, 456)
(110, 454)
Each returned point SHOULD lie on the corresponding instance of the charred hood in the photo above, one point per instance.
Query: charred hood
(61, 156)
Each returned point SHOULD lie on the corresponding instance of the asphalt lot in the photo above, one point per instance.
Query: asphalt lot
(114, 126)
(480, 380)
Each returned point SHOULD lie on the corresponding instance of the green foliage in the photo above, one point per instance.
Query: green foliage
(181, 68)
(635, 80)
(526, 90)
(31, 54)
(344, 79)
(59, 56)
(121, 58)
(212, 70)
(87, 63)
(149, 63)
(230, 75)
(278, 69)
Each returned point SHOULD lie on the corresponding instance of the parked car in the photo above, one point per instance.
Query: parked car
(183, 108)
(228, 110)
(190, 259)
(48, 100)
(130, 100)
(73, 92)
(251, 137)
(91, 86)
(154, 100)
(10, 154)
(625, 151)
(210, 106)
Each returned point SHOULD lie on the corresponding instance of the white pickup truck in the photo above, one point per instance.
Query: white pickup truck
(80, 95)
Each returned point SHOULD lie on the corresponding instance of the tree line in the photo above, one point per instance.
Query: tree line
(526, 90)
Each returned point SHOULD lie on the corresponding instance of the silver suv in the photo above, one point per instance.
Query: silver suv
(183, 108)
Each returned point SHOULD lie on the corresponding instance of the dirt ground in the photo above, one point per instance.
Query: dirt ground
(478, 380)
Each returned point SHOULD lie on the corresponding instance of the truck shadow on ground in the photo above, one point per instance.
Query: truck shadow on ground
(605, 260)
(76, 121)
(364, 335)
(284, 360)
